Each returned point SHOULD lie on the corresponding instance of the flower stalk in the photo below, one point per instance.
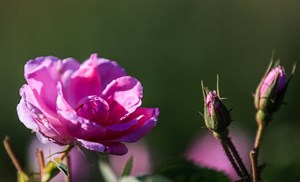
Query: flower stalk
(22, 176)
(268, 98)
(254, 154)
(233, 156)
(217, 119)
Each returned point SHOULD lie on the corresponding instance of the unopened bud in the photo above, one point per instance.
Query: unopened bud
(270, 92)
(216, 115)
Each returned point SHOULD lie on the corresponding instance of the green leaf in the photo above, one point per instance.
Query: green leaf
(128, 167)
(107, 172)
(50, 171)
(62, 167)
(182, 170)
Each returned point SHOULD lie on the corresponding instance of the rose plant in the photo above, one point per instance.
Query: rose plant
(95, 104)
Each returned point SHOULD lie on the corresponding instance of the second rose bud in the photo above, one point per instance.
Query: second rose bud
(216, 116)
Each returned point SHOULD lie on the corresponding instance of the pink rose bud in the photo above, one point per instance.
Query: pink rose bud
(94, 104)
(271, 90)
(216, 115)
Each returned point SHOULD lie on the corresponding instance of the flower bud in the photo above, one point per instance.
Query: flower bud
(216, 115)
(270, 92)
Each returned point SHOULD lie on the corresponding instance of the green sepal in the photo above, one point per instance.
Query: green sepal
(222, 123)
(61, 166)
(266, 101)
(257, 98)
(49, 172)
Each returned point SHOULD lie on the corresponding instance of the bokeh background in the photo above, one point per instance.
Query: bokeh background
(170, 46)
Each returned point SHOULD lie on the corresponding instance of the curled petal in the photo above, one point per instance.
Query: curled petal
(148, 119)
(120, 127)
(124, 96)
(111, 148)
(35, 64)
(77, 126)
(26, 116)
(83, 82)
(92, 145)
(107, 69)
(42, 75)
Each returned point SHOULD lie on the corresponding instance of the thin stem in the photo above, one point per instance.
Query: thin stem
(231, 159)
(254, 153)
(66, 152)
(259, 136)
(12, 155)
(40, 156)
(237, 157)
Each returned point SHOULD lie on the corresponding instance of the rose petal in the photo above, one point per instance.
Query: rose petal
(69, 66)
(144, 126)
(25, 116)
(35, 120)
(124, 96)
(117, 148)
(112, 148)
(83, 82)
(42, 76)
(94, 109)
(92, 145)
(38, 62)
(134, 127)
(107, 69)
(122, 126)
(77, 126)
(32, 97)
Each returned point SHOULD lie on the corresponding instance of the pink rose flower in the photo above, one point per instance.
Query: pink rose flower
(206, 151)
(93, 104)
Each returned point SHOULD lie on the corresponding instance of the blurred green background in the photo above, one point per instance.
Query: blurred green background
(170, 46)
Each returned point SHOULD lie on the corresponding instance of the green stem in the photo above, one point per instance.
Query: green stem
(254, 153)
(237, 158)
(11, 154)
(40, 156)
(231, 159)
